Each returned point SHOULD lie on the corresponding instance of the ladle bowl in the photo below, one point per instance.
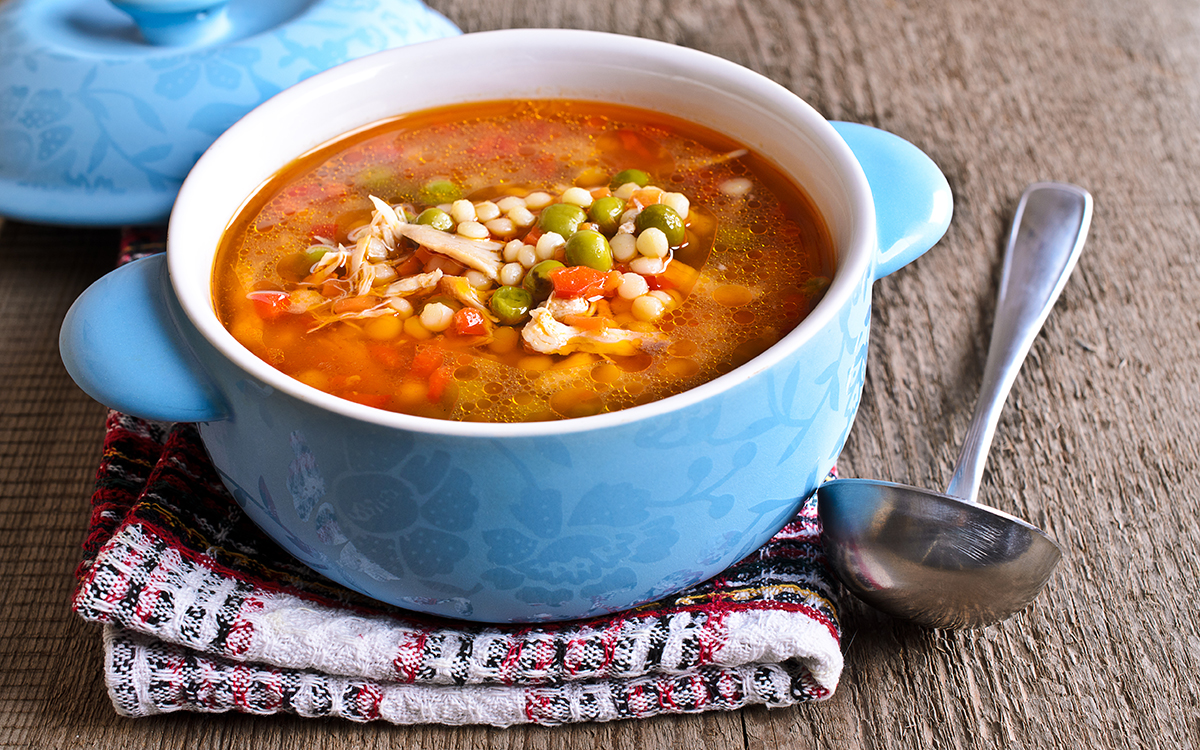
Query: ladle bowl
(941, 559)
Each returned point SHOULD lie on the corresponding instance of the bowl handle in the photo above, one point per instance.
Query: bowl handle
(122, 345)
(913, 203)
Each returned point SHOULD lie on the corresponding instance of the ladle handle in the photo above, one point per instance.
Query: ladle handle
(1047, 235)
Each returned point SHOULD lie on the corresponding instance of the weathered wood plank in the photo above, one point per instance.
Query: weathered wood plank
(1097, 444)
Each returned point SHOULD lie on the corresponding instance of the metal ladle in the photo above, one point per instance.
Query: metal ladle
(943, 560)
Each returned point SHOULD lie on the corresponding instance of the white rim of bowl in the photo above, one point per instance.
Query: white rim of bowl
(195, 297)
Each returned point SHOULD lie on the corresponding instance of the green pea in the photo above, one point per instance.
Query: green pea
(537, 279)
(313, 254)
(606, 213)
(636, 176)
(562, 219)
(377, 180)
(662, 217)
(436, 192)
(589, 248)
(295, 266)
(436, 218)
(511, 304)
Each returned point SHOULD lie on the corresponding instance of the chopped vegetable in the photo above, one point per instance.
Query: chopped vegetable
(605, 213)
(470, 322)
(511, 304)
(438, 380)
(426, 360)
(270, 305)
(625, 176)
(537, 280)
(589, 248)
(664, 218)
(562, 219)
(436, 218)
(577, 281)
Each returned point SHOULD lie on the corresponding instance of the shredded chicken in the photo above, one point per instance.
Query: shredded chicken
(410, 285)
(546, 335)
(561, 308)
(482, 255)
(460, 289)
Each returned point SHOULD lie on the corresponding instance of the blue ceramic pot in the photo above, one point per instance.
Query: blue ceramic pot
(105, 106)
(524, 522)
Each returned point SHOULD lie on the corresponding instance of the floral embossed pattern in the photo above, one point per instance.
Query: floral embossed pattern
(115, 125)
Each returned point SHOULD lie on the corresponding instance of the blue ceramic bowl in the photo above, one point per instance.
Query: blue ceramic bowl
(516, 522)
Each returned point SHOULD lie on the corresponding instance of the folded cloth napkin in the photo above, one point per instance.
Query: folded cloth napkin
(203, 612)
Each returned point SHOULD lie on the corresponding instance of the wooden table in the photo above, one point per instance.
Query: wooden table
(1097, 444)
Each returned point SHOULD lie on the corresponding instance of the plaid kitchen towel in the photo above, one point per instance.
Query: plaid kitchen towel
(202, 612)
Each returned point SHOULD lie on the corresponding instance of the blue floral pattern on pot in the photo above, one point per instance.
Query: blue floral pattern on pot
(98, 127)
(537, 529)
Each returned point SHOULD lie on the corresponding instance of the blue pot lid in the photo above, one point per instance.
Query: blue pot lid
(101, 117)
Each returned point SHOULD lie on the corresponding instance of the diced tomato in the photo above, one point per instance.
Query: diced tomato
(438, 380)
(386, 355)
(577, 281)
(469, 322)
(270, 305)
(427, 359)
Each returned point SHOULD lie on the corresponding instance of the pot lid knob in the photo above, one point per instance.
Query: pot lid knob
(178, 22)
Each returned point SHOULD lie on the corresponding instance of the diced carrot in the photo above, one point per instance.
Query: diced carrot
(612, 282)
(658, 282)
(647, 196)
(588, 322)
(355, 304)
(427, 359)
(367, 399)
(678, 275)
(637, 143)
(577, 281)
(533, 235)
(270, 305)
(469, 322)
(410, 266)
(438, 380)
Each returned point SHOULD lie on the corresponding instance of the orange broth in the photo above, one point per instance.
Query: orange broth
(755, 258)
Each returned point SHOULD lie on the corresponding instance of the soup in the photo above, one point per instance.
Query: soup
(520, 261)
